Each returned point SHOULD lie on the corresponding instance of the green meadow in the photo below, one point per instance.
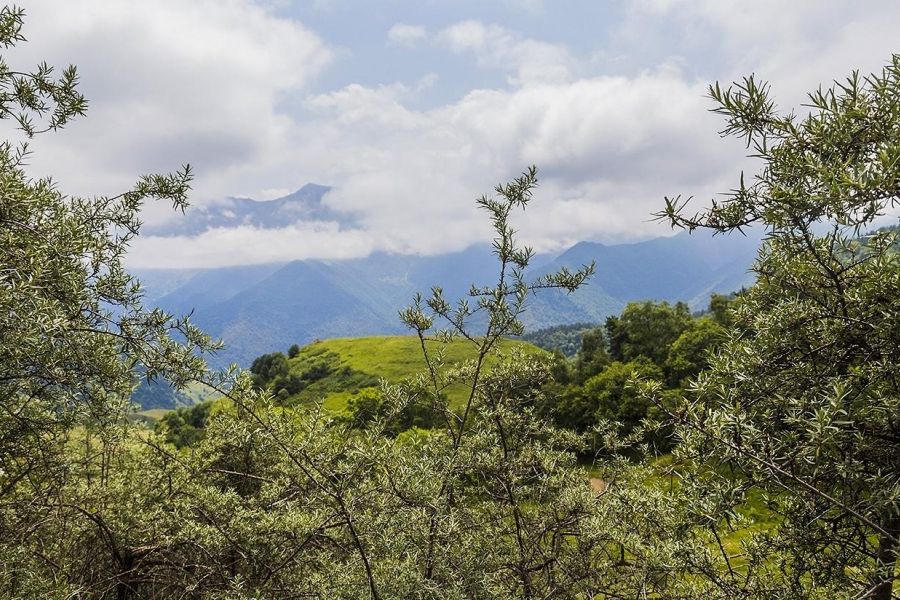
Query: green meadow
(336, 369)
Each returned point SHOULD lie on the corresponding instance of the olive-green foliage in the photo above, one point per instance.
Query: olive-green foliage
(646, 329)
(594, 387)
(803, 399)
(563, 338)
(691, 351)
(559, 369)
(369, 406)
(269, 367)
(721, 308)
(613, 397)
(272, 372)
(187, 425)
(73, 328)
(592, 356)
(365, 406)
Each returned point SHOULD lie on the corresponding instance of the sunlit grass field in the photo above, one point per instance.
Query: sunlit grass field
(355, 364)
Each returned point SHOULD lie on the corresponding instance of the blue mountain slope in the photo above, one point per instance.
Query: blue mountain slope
(672, 268)
(260, 309)
(302, 301)
(204, 287)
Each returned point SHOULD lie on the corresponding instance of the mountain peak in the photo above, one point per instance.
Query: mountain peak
(309, 192)
(305, 204)
(313, 188)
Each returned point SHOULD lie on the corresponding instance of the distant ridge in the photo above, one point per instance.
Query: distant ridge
(303, 205)
(262, 308)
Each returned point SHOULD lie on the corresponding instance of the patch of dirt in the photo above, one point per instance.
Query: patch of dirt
(598, 485)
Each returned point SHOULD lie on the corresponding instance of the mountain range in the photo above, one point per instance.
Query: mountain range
(262, 308)
(303, 205)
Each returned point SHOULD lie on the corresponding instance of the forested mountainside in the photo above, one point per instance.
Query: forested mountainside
(565, 339)
(257, 308)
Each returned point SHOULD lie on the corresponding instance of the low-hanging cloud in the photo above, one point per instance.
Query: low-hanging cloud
(213, 247)
(170, 82)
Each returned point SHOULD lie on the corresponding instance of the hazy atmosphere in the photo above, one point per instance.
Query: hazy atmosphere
(409, 110)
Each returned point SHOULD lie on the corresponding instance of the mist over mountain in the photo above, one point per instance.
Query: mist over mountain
(261, 308)
(303, 205)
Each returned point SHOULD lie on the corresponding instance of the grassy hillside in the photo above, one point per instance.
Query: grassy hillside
(161, 395)
(333, 370)
(155, 414)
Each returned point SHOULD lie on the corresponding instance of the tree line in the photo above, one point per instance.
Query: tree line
(647, 340)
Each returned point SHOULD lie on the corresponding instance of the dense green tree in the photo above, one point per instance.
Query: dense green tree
(689, 354)
(646, 329)
(365, 406)
(803, 402)
(269, 367)
(592, 356)
(562, 338)
(187, 425)
(721, 307)
(615, 337)
(560, 370)
(613, 398)
(273, 372)
(570, 407)
(369, 406)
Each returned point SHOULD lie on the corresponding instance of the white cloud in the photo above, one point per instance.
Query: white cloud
(608, 149)
(409, 36)
(257, 246)
(228, 86)
(496, 47)
(170, 82)
(794, 45)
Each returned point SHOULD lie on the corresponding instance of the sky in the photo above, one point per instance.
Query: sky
(411, 109)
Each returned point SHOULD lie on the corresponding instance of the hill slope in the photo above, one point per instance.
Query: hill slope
(334, 370)
(259, 309)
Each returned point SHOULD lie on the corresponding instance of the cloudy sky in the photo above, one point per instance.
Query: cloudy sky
(412, 108)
